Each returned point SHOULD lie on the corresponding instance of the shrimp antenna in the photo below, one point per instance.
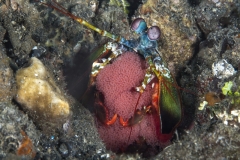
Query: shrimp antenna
(53, 4)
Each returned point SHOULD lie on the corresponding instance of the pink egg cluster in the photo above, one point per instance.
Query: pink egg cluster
(117, 82)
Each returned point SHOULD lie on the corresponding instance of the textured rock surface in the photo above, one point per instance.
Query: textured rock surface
(21, 19)
(40, 97)
(7, 90)
(178, 28)
(212, 15)
(12, 121)
(222, 142)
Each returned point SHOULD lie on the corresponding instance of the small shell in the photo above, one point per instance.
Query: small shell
(66, 126)
(94, 5)
(14, 5)
(222, 69)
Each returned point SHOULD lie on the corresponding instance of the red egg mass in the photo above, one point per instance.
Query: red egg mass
(117, 82)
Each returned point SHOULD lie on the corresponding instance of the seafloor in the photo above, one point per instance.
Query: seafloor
(41, 115)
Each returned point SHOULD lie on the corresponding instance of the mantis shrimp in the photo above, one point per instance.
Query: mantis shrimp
(166, 102)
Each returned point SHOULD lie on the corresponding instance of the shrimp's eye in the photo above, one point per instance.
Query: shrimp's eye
(154, 33)
(139, 25)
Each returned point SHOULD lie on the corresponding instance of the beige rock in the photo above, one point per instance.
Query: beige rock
(40, 97)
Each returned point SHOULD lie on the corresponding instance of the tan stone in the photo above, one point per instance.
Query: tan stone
(39, 95)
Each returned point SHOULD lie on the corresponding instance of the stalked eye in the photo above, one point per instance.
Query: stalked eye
(154, 33)
(139, 25)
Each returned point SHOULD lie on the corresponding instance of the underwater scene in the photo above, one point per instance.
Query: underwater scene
(119, 79)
